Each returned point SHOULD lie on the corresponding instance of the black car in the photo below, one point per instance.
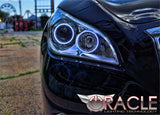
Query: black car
(101, 47)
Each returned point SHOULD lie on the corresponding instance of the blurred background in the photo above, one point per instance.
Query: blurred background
(21, 27)
(25, 15)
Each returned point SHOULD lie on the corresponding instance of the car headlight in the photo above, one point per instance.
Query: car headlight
(72, 37)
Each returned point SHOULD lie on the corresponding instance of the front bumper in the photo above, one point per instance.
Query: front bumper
(62, 80)
(54, 104)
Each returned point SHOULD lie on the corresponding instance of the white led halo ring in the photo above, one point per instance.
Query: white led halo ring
(88, 31)
(64, 24)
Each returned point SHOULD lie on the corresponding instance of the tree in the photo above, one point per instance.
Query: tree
(3, 15)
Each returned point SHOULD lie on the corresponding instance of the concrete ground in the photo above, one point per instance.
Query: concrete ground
(20, 85)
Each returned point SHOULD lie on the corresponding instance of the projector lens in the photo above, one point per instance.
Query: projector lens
(64, 33)
(87, 41)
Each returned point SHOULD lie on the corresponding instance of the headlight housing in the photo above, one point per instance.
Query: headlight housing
(72, 37)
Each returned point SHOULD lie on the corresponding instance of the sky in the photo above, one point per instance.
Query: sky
(28, 4)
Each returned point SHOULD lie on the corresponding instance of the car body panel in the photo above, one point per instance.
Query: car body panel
(138, 11)
(138, 69)
(133, 37)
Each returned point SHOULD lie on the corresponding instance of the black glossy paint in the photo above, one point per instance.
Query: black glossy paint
(135, 45)
(138, 11)
(139, 62)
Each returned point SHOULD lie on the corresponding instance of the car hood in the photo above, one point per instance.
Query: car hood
(133, 11)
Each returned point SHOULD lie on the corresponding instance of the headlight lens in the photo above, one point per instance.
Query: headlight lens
(64, 33)
(72, 37)
(87, 41)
